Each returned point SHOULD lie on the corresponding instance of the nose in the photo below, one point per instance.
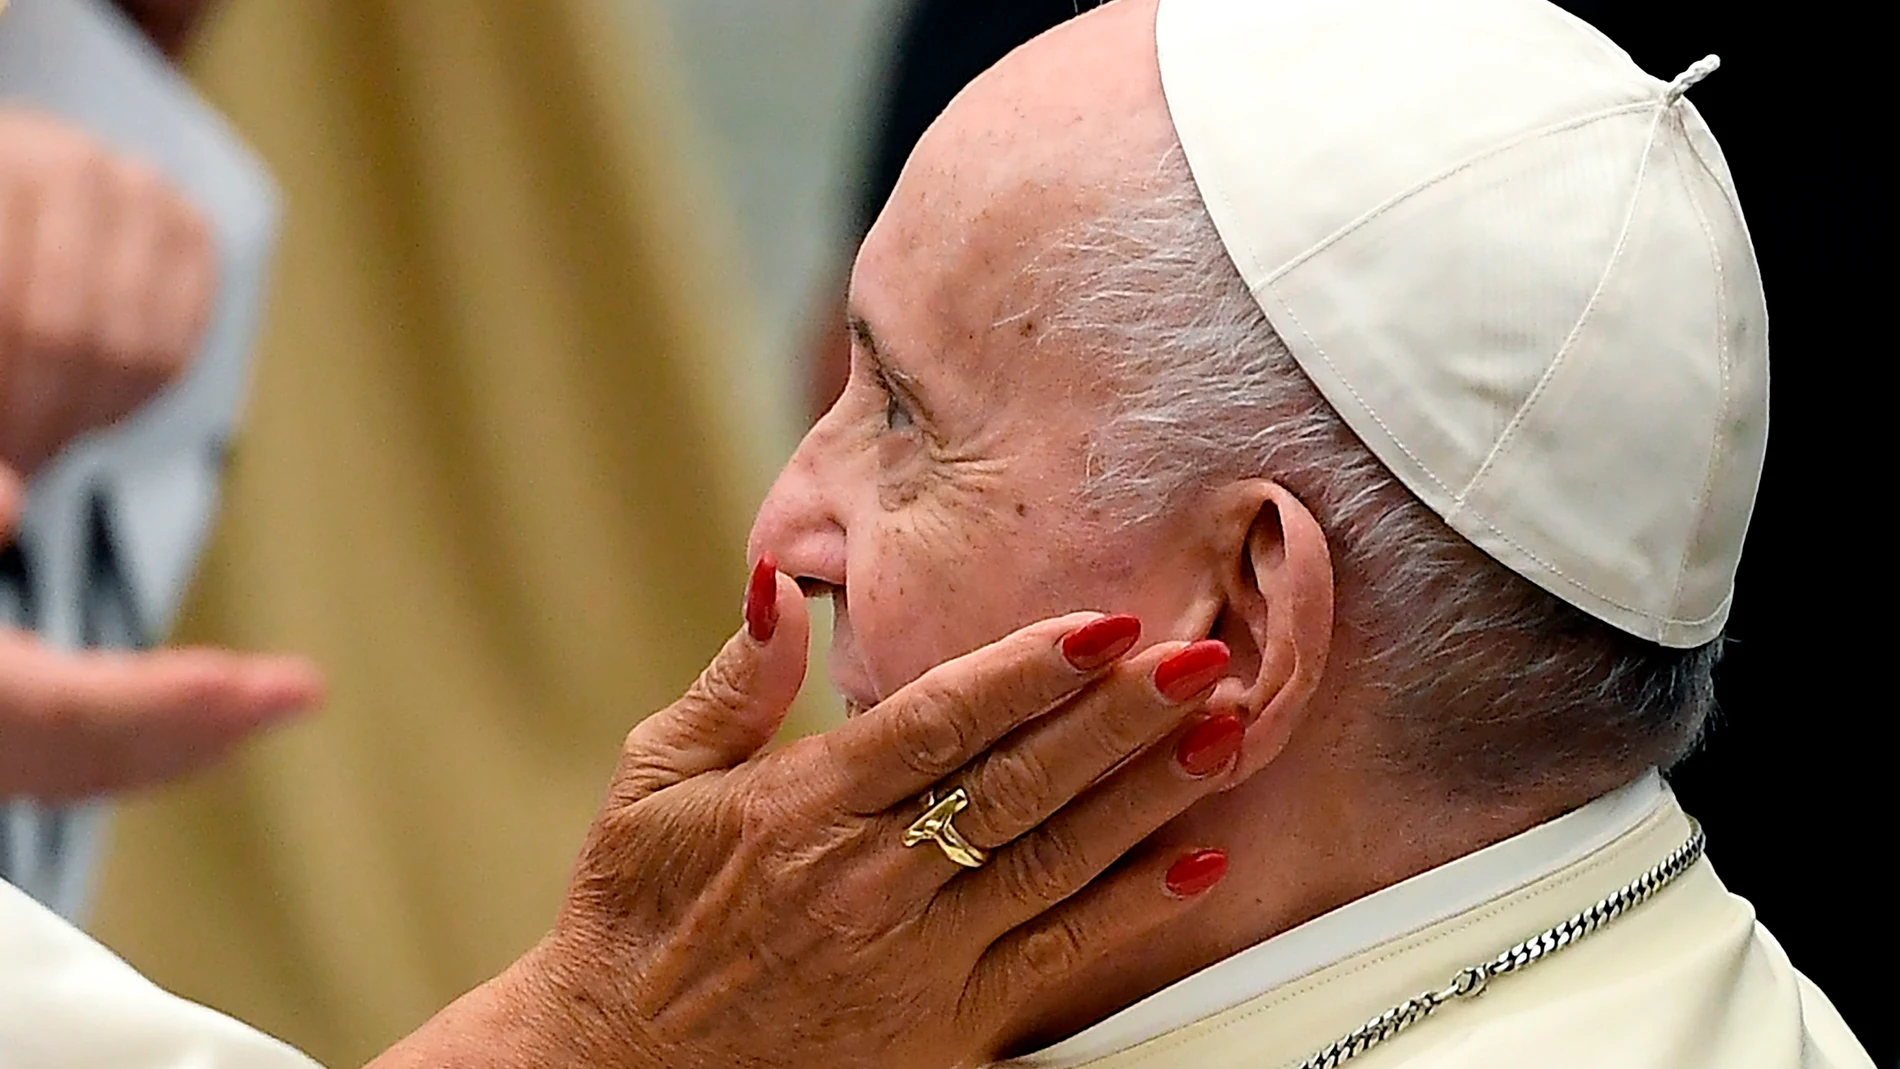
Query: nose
(801, 522)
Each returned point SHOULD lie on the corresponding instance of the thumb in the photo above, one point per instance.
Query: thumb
(735, 705)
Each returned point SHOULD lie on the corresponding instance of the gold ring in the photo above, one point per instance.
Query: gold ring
(935, 827)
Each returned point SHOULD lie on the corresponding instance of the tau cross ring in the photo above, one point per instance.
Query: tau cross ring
(935, 827)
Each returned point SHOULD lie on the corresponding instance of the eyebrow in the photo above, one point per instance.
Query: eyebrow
(900, 380)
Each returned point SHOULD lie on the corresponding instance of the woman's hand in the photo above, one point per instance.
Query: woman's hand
(738, 909)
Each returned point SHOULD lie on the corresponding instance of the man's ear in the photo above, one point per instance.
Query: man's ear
(1278, 617)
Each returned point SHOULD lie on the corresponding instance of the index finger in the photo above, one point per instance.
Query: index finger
(950, 714)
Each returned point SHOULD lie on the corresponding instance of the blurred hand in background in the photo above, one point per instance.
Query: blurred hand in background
(106, 283)
(77, 725)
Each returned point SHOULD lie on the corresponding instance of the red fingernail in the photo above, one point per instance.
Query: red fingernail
(761, 600)
(1189, 671)
(1210, 744)
(1098, 642)
(1196, 873)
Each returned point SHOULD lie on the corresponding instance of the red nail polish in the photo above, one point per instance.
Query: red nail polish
(1210, 744)
(761, 600)
(1196, 873)
(1189, 671)
(1098, 642)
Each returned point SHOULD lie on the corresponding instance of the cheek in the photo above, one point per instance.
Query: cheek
(922, 592)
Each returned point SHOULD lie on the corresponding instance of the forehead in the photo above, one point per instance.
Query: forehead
(954, 265)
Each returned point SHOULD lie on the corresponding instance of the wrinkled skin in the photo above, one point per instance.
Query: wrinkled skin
(733, 908)
(940, 499)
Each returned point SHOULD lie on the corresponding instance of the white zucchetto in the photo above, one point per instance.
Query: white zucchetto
(1516, 266)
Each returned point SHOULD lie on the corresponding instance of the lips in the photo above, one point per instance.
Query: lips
(847, 672)
(854, 702)
(848, 679)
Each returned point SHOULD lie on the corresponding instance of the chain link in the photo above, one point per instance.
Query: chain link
(1471, 982)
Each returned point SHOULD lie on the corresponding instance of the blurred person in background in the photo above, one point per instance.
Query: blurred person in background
(112, 291)
(495, 478)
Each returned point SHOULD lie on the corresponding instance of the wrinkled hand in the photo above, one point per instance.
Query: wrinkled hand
(75, 725)
(106, 284)
(732, 908)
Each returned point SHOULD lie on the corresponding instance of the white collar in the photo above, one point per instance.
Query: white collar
(1430, 897)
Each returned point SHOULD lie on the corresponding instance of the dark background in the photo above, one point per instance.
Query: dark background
(1795, 783)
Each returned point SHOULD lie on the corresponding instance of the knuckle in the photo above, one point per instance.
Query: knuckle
(1015, 790)
(1052, 951)
(935, 735)
(632, 745)
(645, 765)
(780, 794)
(1118, 730)
(723, 685)
(1039, 867)
(853, 908)
(761, 816)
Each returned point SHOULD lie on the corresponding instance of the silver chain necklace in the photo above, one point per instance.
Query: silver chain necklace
(1470, 982)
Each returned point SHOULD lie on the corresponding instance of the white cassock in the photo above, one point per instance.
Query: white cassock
(67, 1003)
(1685, 980)
(115, 524)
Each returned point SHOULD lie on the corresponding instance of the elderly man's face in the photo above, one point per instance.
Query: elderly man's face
(940, 497)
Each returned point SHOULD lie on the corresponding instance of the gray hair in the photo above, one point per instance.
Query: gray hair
(1484, 684)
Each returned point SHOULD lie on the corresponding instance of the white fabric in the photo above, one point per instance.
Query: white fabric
(1516, 266)
(1686, 980)
(67, 1003)
(153, 476)
(1409, 906)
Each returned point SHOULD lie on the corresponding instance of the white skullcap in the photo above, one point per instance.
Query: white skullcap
(1516, 266)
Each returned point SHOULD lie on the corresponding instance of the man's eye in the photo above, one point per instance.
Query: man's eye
(897, 417)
